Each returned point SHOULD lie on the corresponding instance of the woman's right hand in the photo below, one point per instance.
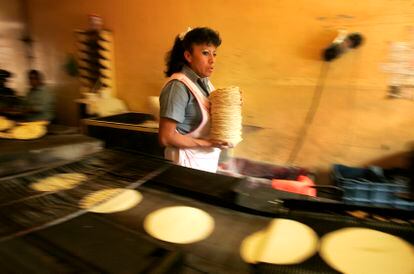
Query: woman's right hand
(203, 143)
(168, 136)
(221, 144)
(213, 143)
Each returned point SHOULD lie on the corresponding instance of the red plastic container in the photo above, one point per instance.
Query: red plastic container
(302, 185)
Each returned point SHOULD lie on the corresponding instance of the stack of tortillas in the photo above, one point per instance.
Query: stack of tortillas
(226, 115)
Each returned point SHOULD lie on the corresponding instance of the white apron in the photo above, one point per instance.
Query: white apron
(198, 158)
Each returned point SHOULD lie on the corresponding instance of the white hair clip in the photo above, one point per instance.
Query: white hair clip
(182, 34)
(342, 34)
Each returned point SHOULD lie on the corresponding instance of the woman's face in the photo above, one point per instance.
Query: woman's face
(202, 59)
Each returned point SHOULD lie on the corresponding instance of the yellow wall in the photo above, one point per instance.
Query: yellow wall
(271, 49)
(13, 54)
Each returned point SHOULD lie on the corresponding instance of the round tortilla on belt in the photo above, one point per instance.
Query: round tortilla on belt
(61, 181)
(111, 200)
(284, 241)
(179, 224)
(363, 250)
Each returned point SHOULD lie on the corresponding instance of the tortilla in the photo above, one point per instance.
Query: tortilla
(283, 242)
(249, 248)
(111, 200)
(106, 45)
(363, 250)
(154, 107)
(5, 123)
(105, 35)
(106, 73)
(105, 53)
(107, 82)
(59, 182)
(150, 124)
(26, 132)
(37, 123)
(179, 224)
(107, 64)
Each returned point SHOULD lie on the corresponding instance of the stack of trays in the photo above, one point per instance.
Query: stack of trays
(95, 57)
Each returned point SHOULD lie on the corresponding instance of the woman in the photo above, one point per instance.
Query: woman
(184, 105)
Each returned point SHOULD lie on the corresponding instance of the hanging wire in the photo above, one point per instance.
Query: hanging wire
(317, 94)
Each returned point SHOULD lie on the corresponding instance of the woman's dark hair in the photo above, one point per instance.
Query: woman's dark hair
(175, 57)
(4, 74)
(355, 40)
(35, 74)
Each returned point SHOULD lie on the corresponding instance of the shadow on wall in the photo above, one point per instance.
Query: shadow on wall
(399, 160)
(403, 160)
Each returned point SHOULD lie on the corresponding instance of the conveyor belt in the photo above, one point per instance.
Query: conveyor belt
(17, 156)
(87, 244)
(219, 253)
(323, 224)
(22, 209)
